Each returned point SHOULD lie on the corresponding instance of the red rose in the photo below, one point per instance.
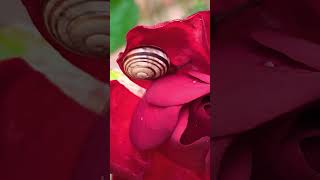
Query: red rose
(267, 92)
(51, 113)
(44, 132)
(166, 131)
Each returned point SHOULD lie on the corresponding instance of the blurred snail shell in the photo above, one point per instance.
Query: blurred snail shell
(146, 63)
(79, 25)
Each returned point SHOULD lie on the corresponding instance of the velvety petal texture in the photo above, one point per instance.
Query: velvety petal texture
(168, 154)
(297, 49)
(190, 155)
(170, 123)
(222, 7)
(183, 88)
(125, 160)
(266, 91)
(163, 168)
(237, 163)
(201, 76)
(40, 138)
(283, 149)
(199, 124)
(152, 125)
(159, 121)
(256, 75)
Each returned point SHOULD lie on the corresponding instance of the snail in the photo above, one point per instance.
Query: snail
(146, 63)
(79, 25)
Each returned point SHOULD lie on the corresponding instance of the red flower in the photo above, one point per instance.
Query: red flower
(50, 125)
(43, 131)
(185, 42)
(266, 74)
(168, 128)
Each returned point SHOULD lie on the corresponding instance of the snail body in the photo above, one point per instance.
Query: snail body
(79, 25)
(146, 63)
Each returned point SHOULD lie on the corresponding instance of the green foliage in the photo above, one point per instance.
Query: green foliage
(199, 5)
(123, 16)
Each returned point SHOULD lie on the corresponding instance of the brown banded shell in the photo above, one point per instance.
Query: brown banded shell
(79, 25)
(146, 63)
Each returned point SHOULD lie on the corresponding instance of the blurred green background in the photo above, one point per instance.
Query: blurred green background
(125, 14)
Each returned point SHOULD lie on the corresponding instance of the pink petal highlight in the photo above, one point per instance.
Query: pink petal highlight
(152, 125)
(176, 90)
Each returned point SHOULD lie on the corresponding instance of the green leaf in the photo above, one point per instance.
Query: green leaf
(123, 16)
(199, 5)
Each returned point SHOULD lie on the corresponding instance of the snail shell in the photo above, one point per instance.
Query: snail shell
(146, 63)
(79, 25)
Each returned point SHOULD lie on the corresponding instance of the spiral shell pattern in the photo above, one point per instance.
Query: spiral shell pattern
(146, 63)
(79, 25)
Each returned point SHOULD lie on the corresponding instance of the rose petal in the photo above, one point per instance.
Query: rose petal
(237, 163)
(39, 125)
(175, 90)
(152, 125)
(277, 146)
(191, 156)
(219, 147)
(223, 7)
(164, 168)
(300, 18)
(125, 159)
(93, 159)
(299, 50)
(201, 76)
(311, 149)
(208, 162)
(246, 92)
(199, 122)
